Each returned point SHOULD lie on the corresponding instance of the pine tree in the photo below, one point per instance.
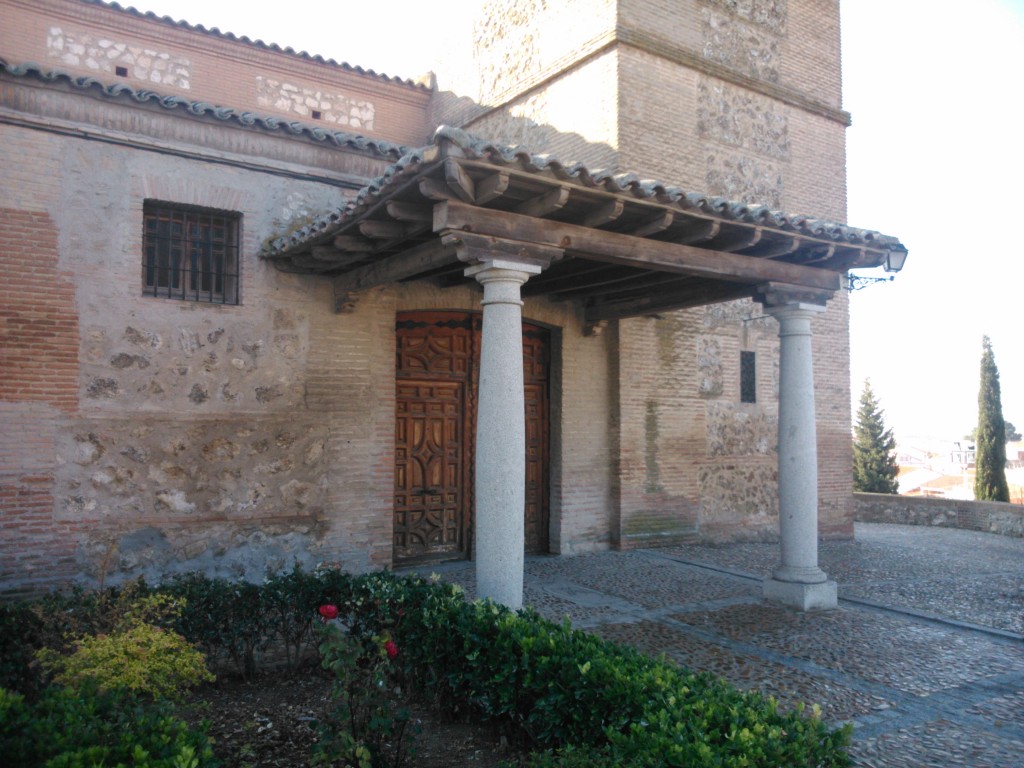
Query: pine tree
(874, 449)
(990, 459)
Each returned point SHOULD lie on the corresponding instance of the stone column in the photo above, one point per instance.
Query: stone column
(501, 434)
(798, 581)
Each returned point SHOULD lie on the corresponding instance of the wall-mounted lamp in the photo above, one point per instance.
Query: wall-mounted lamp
(894, 261)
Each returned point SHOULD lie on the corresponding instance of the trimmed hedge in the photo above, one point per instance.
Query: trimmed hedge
(574, 698)
(579, 699)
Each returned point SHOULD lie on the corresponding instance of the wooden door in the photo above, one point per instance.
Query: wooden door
(437, 361)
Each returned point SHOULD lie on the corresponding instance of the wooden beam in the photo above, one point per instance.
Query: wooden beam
(409, 211)
(636, 284)
(434, 189)
(306, 263)
(459, 180)
(382, 230)
(606, 214)
(401, 266)
(697, 296)
(587, 273)
(353, 244)
(737, 239)
(546, 204)
(491, 187)
(476, 249)
(616, 248)
(706, 230)
(333, 257)
(781, 248)
(659, 223)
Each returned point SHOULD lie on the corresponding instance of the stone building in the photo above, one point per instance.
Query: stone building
(242, 322)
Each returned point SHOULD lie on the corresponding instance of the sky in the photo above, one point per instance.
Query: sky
(934, 157)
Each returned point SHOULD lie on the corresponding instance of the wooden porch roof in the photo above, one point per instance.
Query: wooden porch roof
(621, 245)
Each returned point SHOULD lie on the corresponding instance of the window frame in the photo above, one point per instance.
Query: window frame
(191, 253)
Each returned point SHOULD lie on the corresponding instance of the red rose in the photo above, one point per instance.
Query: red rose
(329, 612)
(391, 648)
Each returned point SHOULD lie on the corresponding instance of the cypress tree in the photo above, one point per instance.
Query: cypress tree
(874, 449)
(990, 457)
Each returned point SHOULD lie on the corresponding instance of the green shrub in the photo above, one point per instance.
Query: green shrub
(88, 727)
(289, 603)
(224, 618)
(136, 656)
(21, 633)
(139, 658)
(579, 697)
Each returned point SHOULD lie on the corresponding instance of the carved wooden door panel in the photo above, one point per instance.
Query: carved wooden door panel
(437, 367)
(428, 469)
(433, 436)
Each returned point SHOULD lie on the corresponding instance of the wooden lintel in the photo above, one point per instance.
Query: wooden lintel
(491, 187)
(353, 244)
(382, 230)
(546, 204)
(408, 211)
(606, 214)
(401, 266)
(617, 248)
(658, 224)
(459, 180)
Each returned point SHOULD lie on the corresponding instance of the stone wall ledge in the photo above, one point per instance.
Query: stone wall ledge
(988, 516)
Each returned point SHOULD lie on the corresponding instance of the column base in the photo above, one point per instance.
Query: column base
(823, 596)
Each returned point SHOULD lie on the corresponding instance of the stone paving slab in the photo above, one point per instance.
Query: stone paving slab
(919, 691)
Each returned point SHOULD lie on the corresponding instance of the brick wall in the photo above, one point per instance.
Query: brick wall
(39, 334)
(94, 40)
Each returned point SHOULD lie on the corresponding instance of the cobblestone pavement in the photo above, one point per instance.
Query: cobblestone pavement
(925, 654)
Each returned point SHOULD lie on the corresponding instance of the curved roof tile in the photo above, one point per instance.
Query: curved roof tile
(203, 109)
(474, 148)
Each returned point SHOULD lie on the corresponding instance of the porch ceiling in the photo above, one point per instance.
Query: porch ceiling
(622, 246)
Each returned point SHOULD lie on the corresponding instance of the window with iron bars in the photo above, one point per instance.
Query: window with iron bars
(190, 253)
(748, 377)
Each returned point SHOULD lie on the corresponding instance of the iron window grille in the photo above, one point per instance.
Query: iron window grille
(190, 253)
(748, 377)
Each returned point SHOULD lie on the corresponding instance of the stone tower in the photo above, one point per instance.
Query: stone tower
(738, 98)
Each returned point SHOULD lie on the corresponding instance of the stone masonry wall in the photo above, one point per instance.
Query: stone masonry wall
(141, 435)
(987, 516)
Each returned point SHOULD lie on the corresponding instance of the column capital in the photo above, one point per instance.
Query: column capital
(477, 249)
(780, 296)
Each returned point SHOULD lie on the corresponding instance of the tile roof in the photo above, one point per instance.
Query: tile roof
(458, 142)
(339, 139)
(215, 32)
